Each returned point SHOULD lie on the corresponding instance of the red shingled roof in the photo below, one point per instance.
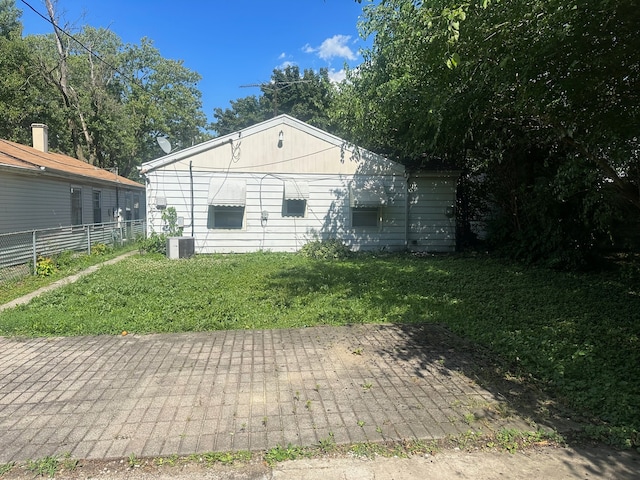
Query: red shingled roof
(21, 156)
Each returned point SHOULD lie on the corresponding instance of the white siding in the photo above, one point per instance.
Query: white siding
(432, 226)
(327, 164)
(327, 212)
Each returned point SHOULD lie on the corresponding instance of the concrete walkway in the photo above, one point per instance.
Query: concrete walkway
(109, 397)
(105, 397)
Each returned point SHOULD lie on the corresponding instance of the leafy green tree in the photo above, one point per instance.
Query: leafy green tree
(24, 96)
(305, 96)
(107, 101)
(243, 113)
(537, 98)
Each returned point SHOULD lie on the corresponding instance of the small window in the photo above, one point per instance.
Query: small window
(294, 208)
(97, 206)
(76, 206)
(136, 207)
(225, 217)
(365, 217)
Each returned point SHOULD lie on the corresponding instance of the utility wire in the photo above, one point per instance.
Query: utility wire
(89, 50)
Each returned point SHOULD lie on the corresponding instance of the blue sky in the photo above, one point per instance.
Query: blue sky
(229, 43)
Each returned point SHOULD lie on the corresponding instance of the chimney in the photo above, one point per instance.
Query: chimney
(40, 134)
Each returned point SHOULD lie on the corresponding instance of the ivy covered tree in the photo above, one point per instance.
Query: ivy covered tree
(538, 98)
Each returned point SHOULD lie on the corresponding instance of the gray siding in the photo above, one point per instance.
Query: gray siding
(29, 202)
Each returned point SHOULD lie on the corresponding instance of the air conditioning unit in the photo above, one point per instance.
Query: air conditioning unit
(181, 247)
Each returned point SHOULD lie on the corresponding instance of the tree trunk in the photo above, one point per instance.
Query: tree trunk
(69, 95)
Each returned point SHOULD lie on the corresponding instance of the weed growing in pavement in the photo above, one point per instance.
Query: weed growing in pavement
(328, 444)
(281, 454)
(511, 440)
(6, 467)
(307, 405)
(367, 450)
(361, 423)
(469, 418)
(367, 386)
(46, 466)
(170, 461)
(133, 461)
(68, 463)
(224, 458)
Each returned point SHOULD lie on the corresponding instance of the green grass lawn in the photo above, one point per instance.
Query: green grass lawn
(578, 335)
(66, 264)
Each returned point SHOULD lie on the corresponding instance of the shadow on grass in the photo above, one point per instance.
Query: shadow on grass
(575, 337)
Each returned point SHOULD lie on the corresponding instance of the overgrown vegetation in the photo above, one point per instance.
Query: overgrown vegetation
(157, 242)
(576, 335)
(325, 249)
(535, 101)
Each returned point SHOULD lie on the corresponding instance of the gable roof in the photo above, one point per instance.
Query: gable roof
(22, 157)
(280, 120)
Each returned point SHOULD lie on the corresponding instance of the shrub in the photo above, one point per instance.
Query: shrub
(154, 243)
(100, 249)
(45, 266)
(325, 249)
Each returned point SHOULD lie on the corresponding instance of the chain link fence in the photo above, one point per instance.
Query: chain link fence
(19, 251)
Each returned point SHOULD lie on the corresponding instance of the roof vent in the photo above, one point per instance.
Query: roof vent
(40, 134)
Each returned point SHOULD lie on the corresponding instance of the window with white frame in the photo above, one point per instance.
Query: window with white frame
(366, 204)
(363, 217)
(226, 204)
(295, 197)
(76, 206)
(225, 217)
(97, 206)
(136, 207)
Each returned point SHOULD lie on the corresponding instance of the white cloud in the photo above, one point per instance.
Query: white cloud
(337, 76)
(336, 46)
(282, 56)
(286, 64)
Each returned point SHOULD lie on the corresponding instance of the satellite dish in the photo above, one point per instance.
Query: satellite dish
(165, 145)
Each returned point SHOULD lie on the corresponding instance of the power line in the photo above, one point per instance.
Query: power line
(264, 86)
(87, 49)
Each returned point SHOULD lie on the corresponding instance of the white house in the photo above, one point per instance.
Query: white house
(282, 183)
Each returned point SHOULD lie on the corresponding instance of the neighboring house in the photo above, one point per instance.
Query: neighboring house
(282, 183)
(40, 189)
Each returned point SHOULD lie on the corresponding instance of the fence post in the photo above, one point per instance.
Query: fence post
(89, 240)
(35, 255)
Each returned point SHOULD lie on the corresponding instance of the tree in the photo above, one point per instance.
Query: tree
(306, 97)
(24, 97)
(537, 98)
(113, 99)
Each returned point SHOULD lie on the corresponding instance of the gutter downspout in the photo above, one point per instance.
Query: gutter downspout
(192, 205)
(407, 177)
